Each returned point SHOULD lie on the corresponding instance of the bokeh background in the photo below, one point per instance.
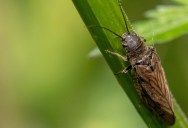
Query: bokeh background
(47, 79)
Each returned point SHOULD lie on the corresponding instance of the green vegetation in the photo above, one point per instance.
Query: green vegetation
(163, 22)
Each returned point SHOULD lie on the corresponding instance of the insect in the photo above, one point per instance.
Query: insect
(148, 72)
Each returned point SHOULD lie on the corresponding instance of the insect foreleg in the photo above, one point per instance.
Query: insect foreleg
(124, 71)
(117, 54)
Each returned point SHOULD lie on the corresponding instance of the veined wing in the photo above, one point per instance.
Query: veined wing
(154, 89)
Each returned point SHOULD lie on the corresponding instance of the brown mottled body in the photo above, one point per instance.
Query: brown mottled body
(150, 77)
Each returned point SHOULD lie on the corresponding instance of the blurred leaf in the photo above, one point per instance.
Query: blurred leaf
(185, 2)
(164, 24)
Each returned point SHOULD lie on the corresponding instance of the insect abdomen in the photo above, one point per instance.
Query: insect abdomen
(153, 86)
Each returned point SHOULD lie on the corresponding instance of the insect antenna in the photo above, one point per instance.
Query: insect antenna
(123, 12)
(107, 30)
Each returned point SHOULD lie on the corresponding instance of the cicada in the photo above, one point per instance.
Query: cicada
(148, 72)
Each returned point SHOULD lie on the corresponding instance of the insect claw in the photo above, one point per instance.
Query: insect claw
(121, 72)
(124, 71)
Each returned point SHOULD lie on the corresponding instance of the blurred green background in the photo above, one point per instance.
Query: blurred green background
(48, 80)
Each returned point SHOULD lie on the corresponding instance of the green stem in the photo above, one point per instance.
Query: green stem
(107, 13)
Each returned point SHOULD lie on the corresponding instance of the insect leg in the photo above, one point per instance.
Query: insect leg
(124, 71)
(117, 54)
